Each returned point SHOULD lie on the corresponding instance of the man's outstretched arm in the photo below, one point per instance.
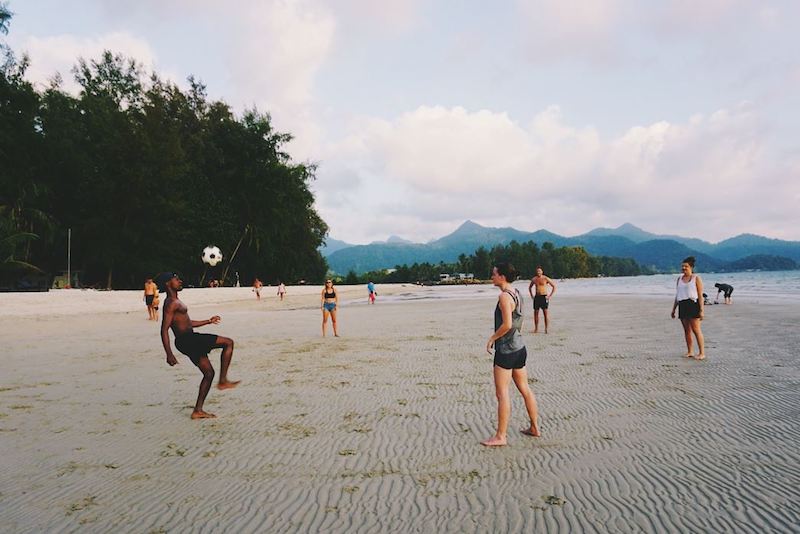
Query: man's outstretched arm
(213, 320)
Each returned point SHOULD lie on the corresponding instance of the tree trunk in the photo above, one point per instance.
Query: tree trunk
(108, 283)
(230, 261)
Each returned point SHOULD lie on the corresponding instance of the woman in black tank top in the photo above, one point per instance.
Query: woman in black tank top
(329, 301)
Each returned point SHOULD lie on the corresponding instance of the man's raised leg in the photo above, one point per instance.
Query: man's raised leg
(226, 344)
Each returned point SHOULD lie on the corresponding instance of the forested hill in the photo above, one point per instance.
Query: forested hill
(652, 251)
(146, 174)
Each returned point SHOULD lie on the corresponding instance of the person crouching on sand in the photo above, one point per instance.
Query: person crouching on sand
(510, 355)
(195, 346)
(690, 307)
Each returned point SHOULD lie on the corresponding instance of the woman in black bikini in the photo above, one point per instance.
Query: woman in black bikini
(329, 301)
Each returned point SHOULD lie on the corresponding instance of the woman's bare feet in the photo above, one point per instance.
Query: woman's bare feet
(688, 355)
(228, 384)
(494, 441)
(700, 356)
(532, 432)
(200, 414)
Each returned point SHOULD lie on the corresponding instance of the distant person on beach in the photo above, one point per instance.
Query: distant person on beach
(257, 285)
(541, 300)
(195, 346)
(688, 289)
(372, 292)
(156, 302)
(150, 290)
(328, 304)
(281, 289)
(510, 355)
(726, 290)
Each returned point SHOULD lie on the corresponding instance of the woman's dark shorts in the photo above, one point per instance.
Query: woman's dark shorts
(688, 309)
(195, 345)
(148, 299)
(514, 360)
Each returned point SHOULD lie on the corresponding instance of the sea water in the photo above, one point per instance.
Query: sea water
(750, 286)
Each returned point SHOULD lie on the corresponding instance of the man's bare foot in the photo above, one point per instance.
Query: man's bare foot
(202, 415)
(228, 384)
(535, 331)
(700, 356)
(688, 355)
(532, 431)
(494, 441)
(335, 335)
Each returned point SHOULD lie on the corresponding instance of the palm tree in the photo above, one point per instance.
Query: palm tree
(5, 18)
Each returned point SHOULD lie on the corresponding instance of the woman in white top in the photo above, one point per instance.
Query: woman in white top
(690, 307)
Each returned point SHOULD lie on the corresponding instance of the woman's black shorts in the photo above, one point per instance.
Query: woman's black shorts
(688, 309)
(514, 360)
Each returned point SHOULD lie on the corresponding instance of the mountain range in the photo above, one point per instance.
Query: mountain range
(661, 253)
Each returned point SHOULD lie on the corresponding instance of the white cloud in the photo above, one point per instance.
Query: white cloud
(59, 54)
(274, 55)
(426, 171)
(554, 29)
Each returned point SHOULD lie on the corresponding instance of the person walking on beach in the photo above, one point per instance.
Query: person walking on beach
(150, 290)
(257, 285)
(688, 289)
(541, 300)
(195, 346)
(328, 303)
(510, 355)
(726, 290)
(281, 289)
(372, 292)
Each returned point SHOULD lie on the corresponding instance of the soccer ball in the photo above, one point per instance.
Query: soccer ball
(212, 255)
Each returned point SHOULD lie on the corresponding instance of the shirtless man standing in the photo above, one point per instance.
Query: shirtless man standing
(150, 290)
(195, 346)
(541, 300)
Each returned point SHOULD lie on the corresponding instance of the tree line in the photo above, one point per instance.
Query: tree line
(146, 174)
(561, 262)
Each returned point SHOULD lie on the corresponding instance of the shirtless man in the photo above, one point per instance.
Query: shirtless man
(150, 290)
(195, 346)
(541, 300)
(257, 285)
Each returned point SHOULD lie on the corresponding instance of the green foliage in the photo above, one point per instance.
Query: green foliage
(351, 278)
(562, 262)
(147, 174)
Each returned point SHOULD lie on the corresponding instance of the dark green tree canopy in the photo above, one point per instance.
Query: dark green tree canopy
(146, 174)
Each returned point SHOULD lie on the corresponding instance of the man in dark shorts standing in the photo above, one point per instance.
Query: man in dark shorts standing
(150, 291)
(541, 300)
(195, 346)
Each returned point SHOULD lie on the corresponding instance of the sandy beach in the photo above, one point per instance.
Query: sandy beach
(379, 430)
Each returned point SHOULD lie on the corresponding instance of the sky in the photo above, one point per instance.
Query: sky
(678, 116)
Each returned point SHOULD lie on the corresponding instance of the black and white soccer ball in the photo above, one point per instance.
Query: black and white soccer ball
(212, 255)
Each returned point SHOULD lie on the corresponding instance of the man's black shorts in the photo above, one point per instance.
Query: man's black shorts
(195, 345)
(540, 302)
(515, 360)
